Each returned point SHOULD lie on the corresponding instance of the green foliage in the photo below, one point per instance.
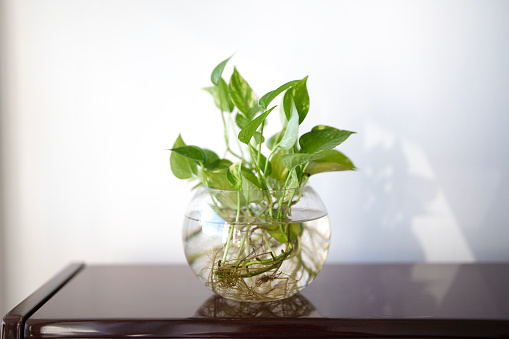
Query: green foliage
(330, 161)
(191, 152)
(260, 160)
(217, 179)
(264, 173)
(301, 98)
(211, 159)
(242, 95)
(181, 166)
(220, 95)
(322, 138)
(249, 130)
(293, 160)
(279, 170)
(267, 98)
(284, 232)
(291, 132)
(218, 71)
(234, 175)
(298, 96)
(280, 162)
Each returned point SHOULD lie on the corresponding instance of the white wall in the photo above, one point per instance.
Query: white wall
(97, 90)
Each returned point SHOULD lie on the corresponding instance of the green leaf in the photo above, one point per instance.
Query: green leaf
(217, 180)
(191, 152)
(263, 160)
(274, 140)
(294, 180)
(221, 96)
(213, 91)
(331, 161)
(251, 192)
(293, 160)
(287, 104)
(250, 176)
(221, 164)
(279, 171)
(247, 132)
(234, 175)
(267, 98)
(296, 230)
(283, 232)
(301, 98)
(277, 232)
(242, 95)
(292, 130)
(258, 137)
(218, 71)
(181, 166)
(242, 121)
(226, 103)
(211, 158)
(322, 138)
(248, 185)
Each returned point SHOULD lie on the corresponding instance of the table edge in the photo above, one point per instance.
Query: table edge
(13, 323)
(268, 327)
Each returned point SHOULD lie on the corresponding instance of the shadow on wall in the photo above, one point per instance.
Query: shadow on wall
(392, 197)
(387, 205)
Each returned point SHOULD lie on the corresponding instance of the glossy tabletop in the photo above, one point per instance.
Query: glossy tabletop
(381, 300)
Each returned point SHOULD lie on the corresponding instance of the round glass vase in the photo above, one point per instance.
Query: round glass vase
(256, 245)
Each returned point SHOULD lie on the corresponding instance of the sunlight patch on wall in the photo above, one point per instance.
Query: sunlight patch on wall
(410, 184)
(437, 230)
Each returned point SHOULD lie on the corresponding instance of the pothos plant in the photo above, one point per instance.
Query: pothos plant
(252, 162)
(291, 160)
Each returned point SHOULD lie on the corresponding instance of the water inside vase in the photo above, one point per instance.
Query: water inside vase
(264, 261)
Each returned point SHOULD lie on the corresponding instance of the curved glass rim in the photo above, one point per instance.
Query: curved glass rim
(258, 190)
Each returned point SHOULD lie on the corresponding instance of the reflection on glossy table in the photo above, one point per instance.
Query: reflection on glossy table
(347, 301)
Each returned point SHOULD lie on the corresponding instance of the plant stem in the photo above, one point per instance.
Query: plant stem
(242, 243)
(226, 138)
(230, 232)
(260, 146)
(230, 235)
(268, 159)
(237, 139)
(264, 235)
(280, 208)
(257, 168)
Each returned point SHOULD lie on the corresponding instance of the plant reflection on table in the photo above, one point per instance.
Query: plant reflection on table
(294, 307)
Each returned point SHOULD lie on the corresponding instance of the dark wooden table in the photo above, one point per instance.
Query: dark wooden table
(346, 301)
